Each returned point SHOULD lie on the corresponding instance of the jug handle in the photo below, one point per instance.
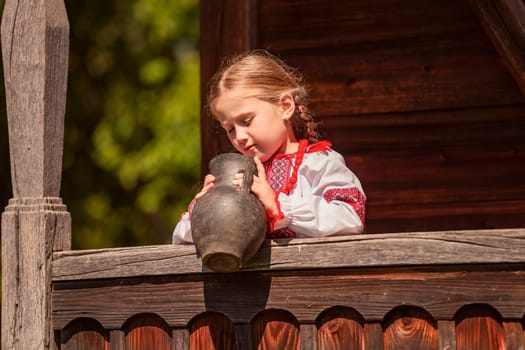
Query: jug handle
(247, 179)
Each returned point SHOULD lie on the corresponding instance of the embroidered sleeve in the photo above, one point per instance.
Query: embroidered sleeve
(327, 200)
(351, 196)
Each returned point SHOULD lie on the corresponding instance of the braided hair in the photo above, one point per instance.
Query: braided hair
(267, 77)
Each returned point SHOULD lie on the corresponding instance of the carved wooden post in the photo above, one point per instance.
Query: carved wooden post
(35, 43)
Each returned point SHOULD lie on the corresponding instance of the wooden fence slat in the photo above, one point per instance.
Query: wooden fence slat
(117, 339)
(340, 328)
(410, 328)
(212, 331)
(479, 326)
(374, 336)
(276, 329)
(181, 339)
(84, 334)
(513, 335)
(447, 335)
(243, 337)
(147, 331)
(308, 334)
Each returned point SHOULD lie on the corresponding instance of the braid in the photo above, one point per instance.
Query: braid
(304, 124)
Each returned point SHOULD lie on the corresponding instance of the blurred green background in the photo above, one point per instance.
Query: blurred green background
(132, 140)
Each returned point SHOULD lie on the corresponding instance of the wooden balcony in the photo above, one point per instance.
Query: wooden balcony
(429, 290)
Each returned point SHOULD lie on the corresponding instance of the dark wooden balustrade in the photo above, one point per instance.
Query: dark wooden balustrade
(431, 290)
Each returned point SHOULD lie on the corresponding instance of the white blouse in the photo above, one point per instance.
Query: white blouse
(317, 195)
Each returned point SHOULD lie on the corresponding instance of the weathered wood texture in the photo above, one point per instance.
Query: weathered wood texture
(35, 40)
(423, 301)
(226, 27)
(418, 96)
(359, 251)
(35, 43)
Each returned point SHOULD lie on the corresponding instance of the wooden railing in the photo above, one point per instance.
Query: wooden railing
(431, 290)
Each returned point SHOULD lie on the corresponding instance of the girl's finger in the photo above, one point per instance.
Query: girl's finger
(260, 168)
(209, 179)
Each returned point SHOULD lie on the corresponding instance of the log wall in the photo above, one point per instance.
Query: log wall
(422, 98)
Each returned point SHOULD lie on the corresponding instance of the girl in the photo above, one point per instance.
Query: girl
(304, 185)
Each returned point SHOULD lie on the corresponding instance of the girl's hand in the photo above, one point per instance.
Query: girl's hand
(209, 181)
(261, 188)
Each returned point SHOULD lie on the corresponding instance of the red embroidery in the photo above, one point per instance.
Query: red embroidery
(351, 196)
(278, 173)
(320, 146)
(282, 180)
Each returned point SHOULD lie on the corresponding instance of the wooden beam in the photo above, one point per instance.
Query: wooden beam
(360, 251)
(504, 22)
(227, 28)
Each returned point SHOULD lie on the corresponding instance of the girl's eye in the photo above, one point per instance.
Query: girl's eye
(247, 121)
(230, 130)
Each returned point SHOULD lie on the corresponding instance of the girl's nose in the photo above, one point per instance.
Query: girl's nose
(241, 135)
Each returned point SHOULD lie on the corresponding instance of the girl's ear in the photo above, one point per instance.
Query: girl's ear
(287, 105)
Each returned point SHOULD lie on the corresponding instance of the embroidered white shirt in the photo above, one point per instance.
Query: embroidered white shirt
(327, 198)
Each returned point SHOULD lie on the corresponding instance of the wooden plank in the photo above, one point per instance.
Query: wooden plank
(84, 334)
(409, 327)
(303, 293)
(451, 131)
(147, 331)
(276, 329)
(393, 249)
(181, 339)
(504, 22)
(117, 339)
(421, 119)
(513, 335)
(386, 221)
(243, 336)
(438, 55)
(308, 24)
(374, 336)
(479, 326)
(406, 82)
(340, 327)
(308, 335)
(212, 331)
(447, 335)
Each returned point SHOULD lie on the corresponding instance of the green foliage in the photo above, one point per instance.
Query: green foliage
(132, 139)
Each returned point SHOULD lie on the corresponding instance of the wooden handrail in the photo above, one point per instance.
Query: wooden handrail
(360, 251)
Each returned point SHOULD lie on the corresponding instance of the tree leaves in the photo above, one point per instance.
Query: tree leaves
(132, 140)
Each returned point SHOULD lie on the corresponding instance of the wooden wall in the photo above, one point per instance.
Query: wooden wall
(415, 94)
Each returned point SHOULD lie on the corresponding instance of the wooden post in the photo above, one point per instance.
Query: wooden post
(35, 43)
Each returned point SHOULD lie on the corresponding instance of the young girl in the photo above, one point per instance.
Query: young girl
(304, 184)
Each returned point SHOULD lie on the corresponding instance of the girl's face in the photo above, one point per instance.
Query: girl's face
(257, 128)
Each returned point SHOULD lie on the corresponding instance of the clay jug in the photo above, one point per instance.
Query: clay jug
(229, 223)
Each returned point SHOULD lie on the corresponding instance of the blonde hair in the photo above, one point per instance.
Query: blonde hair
(267, 77)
